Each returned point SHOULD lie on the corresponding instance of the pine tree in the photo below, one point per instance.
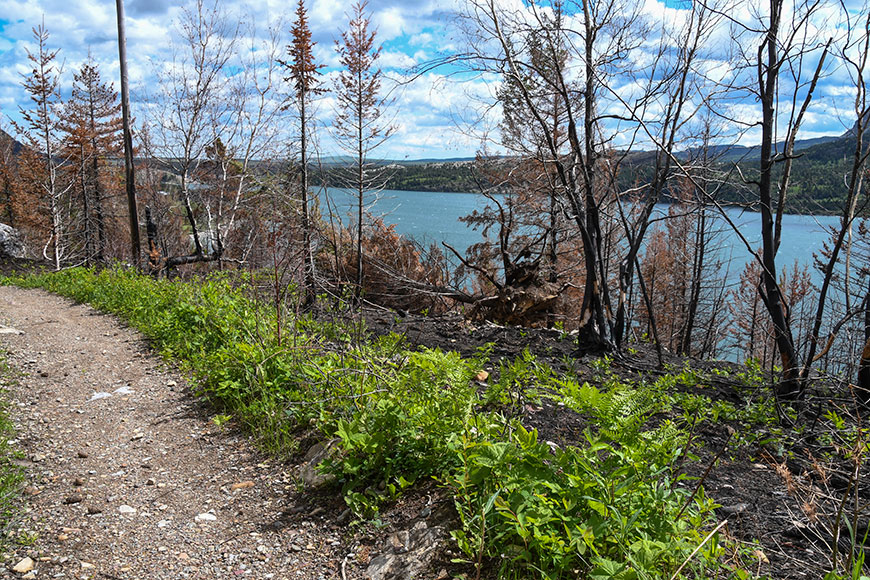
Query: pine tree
(41, 134)
(92, 122)
(304, 73)
(8, 179)
(359, 123)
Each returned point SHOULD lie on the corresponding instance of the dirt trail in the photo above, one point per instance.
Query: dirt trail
(127, 477)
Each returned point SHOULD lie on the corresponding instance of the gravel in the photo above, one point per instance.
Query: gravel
(128, 478)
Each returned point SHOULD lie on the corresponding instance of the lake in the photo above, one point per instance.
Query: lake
(434, 217)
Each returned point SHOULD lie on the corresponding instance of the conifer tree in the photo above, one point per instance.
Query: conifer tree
(304, 74)
(92, 122)
(8, 179)
(41, 134)
(360, 126)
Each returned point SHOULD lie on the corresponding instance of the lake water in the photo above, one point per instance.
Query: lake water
(434, 217)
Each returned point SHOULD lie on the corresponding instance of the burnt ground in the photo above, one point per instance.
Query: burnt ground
(779, 497)
(16, 266)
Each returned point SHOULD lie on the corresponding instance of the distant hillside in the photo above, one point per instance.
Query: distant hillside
(816, 185)
(7, 140)
(451, 175)
(735, 153)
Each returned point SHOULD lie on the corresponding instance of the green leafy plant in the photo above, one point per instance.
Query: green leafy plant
(610, 506)
(11, 476)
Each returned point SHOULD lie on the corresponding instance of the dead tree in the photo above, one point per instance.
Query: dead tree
(193, 102)
(579, 56)
(360, 126)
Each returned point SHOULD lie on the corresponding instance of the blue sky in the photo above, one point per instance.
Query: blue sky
(430, 114)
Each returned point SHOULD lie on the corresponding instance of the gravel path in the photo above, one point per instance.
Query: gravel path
(127, 477)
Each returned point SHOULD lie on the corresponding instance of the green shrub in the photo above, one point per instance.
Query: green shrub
(11, 476)
(610, 506)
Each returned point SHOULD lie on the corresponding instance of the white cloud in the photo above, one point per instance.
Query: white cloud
(413, 31)
(390, 23)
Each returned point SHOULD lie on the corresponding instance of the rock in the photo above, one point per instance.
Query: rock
(408, 553)
(205, 517)
(242, 485)
(125, 509)
(93, 510)
(82, 454)
(735, 509)
(78, 482)
(25, 565)
(150, 481)
(11, 245)
(309, 473)
(29, 576)
(87, 566)
(399, 541)
(32, 490)
(343, 517)
(481, 376)
(74, 498)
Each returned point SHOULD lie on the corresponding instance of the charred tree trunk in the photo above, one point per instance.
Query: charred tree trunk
(129, 170)
(698, 254)
(862, 392)
(98, 208)
(771, 294)
(155, 261)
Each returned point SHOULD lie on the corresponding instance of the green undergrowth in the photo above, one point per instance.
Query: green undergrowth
(11, 476)
(612, 505)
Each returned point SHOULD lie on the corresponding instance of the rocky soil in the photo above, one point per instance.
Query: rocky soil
(129, 478)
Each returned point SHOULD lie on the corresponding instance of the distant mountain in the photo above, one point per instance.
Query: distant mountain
(338, 160)
(735, 153)
(854, 128)
(816, 185)
(6, 140)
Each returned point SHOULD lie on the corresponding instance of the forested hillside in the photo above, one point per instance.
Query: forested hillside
(816, 185)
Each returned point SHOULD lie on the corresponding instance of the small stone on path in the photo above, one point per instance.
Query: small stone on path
(24, 566)
(125, 509)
